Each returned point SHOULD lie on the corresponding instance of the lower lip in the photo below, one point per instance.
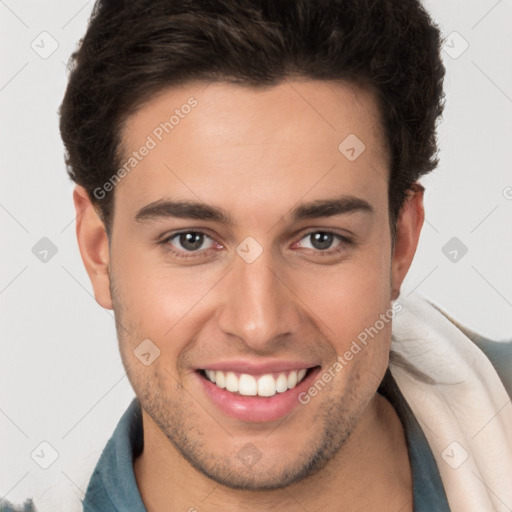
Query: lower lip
(257, 408)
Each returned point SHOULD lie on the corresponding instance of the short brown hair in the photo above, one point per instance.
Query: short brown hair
(134, 49)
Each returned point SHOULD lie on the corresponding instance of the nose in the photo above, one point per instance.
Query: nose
(258, 305)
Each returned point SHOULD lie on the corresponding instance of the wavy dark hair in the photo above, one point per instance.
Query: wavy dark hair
(136, 48)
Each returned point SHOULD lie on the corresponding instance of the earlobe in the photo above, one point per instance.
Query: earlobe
(94, 248)
(408, 229)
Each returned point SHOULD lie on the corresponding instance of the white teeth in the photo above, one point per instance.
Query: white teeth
(220, 380)
(248, 385)
(281, 383)
(231, 382)
(266, 386)
(292, 379)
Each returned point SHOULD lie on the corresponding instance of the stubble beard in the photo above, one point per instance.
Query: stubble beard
(171, 409)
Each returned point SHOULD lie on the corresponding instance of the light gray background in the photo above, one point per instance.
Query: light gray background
(62, 380)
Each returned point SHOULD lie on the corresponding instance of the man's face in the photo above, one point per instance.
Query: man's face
(270, 292)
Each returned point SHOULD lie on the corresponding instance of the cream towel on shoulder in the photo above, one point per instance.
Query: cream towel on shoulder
(466, 416)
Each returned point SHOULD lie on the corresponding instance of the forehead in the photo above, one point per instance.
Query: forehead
(221, 142)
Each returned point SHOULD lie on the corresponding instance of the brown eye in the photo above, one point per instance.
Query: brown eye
(188, 241)
(322, 241)
(191, 241)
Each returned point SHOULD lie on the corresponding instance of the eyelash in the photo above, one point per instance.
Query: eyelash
(204, 252)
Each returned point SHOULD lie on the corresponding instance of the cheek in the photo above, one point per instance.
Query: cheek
(349, 301)
(349, 297)
(157, 296)
(165, 302)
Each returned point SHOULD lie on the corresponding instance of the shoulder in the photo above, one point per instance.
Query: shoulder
(7, 506)
(499, 352)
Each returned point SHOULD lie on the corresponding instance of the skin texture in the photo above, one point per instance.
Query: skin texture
(258, 154)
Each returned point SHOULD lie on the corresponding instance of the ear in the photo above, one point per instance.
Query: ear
(93, 244)
(408, 229)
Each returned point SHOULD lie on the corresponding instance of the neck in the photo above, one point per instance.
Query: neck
(371, 471)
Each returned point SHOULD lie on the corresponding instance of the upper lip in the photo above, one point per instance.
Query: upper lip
(257, 368)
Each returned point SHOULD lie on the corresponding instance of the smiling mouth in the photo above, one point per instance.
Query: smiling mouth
(264, 385)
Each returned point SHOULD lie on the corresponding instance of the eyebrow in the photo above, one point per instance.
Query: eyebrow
(185, 209)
